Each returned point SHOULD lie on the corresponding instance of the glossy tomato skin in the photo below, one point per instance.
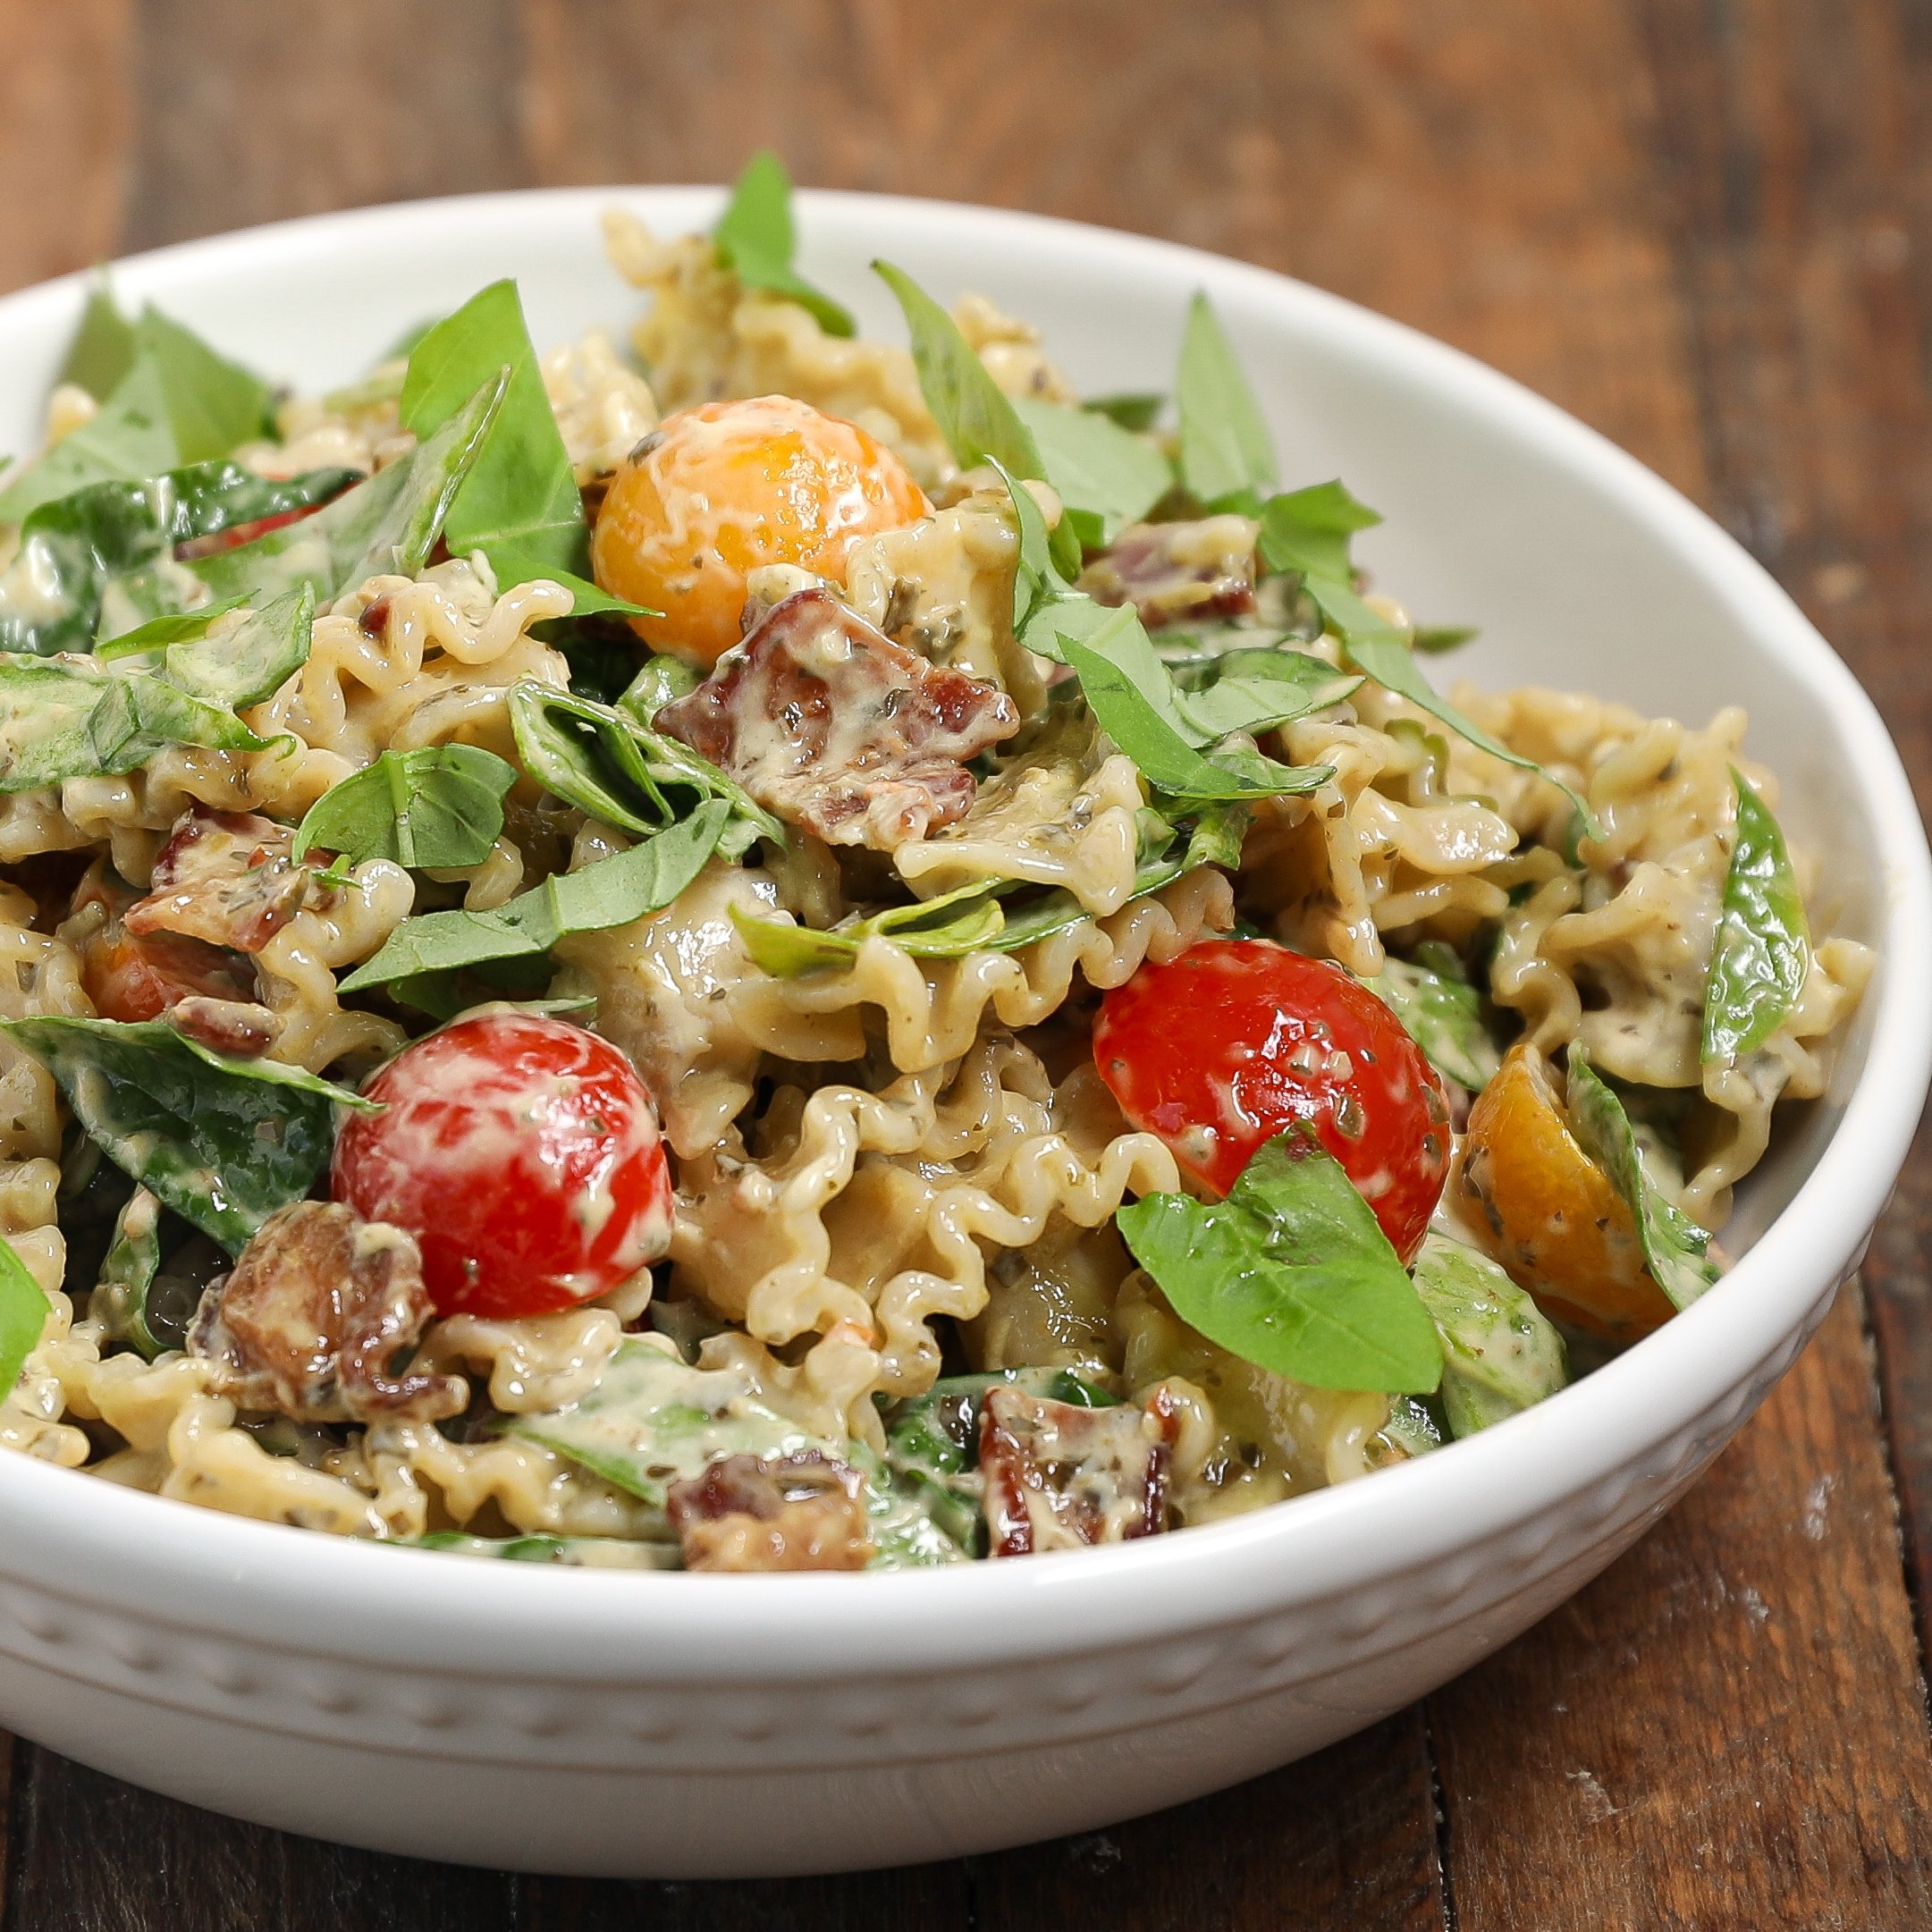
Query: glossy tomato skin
(522, 1152)
(1223, 1047)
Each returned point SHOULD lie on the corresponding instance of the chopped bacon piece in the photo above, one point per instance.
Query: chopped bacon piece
(1174, 572)
(225, 877)
(312, 1315)
(1058, 1476)
(836, 728)
(131, 978)
(801, 1512)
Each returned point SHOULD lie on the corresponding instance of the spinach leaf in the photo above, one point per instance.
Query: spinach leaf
(1308, 531)
(606, 761)
(1433, 639)
(252, 660)
(138, 1299)
(972, 410)
(98, 554)
(756, 242)
(1443, 1015)
(1226, 456)
(419, 958)
(1044, 596)
(661, 680)
(1675, 1248)
(1762, 950)
(104, 347)
(519, 503)
(1132, 697)
(24, 1309)
(1106, 476)
(440, 804)
(1292, 1272)
(172, 626)
(390, 523)
(222, 1142)
(1135, 409)
(127, 437)
(213, 404)
(1500, 1353)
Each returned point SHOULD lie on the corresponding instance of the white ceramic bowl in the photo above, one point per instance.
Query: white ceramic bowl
(686, 1725)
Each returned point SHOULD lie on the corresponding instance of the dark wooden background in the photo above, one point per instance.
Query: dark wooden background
(1703, 225)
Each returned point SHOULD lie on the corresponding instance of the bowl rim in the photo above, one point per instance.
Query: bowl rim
(203, 1571)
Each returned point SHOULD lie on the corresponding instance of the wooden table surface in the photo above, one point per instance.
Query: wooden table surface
(1705, 226)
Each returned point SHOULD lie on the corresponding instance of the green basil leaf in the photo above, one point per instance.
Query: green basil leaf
(386, 525)
(440, 804)
(1226, 455)
(662, 680)
(104, 347)
(213, 404)
(1135, 409)
(1500, 1353)
(172, 626)
(1443, 1015)
(604, 761)
(972, 410)
(222, 1142)
(24, 1308)
(1042, 594)
(1104, 475)
(250, 662)
(128, 437)
(756, 242)
(1308, 531)
(1675, 1248)
(519, 503)
(1254, 690)
(1292, 1272)
(1433, 639)
(1762, 950)
(1132, 697)
(419, 955)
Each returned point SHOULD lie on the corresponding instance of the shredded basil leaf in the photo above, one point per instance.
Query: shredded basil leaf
(440, 805)
(1292, 1272)
(1254, 690)
(519, 503)
(1442, 1013)
(222, 1142)
(1433, 639)
(755, 241)
(1226, 456)
(1675, 1248)
(1762, 950)
(1106, 476)
(973, 412)
(1134, 410)
(607, 762)
(24, 1308)
(419, 959)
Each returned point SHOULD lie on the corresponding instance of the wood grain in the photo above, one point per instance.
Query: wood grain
(1705, 229)
(1727, 1730)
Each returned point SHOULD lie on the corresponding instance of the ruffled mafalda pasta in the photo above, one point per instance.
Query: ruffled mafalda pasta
(486, 1067)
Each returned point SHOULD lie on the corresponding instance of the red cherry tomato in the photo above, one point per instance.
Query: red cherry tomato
(522, 1154)
(1222, 1048)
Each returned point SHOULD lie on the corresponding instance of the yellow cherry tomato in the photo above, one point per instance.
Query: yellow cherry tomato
(1556, 1222)
(724, 489)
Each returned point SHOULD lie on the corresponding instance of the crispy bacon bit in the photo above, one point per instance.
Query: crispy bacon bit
(1177, 572)
(224, 877)
(129, 978)
(801, 1512)
(1058, 1476)
(836, 728)
(312, 1316)
(241, 1028)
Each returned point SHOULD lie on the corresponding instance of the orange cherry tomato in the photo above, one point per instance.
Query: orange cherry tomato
(724, 489)
(1222, 1048)
(1553, 1218)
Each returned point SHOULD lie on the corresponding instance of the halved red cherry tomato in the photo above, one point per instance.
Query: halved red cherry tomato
(1222, 1048)
(523, 1153)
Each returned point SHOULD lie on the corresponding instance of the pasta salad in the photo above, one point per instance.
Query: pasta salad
(766, 950)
